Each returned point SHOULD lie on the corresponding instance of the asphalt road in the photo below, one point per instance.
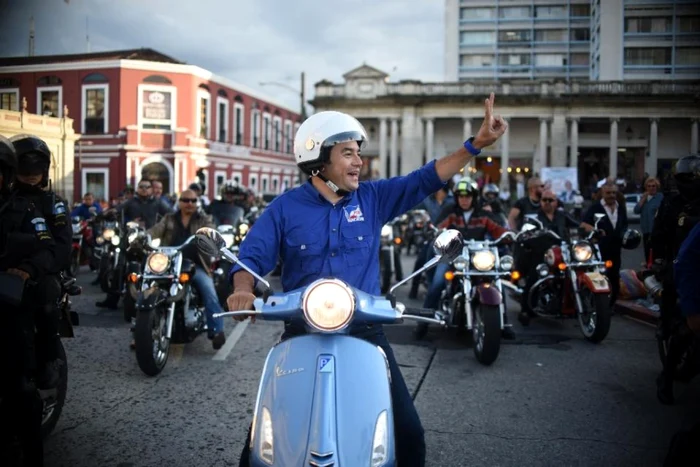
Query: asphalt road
(551, 398)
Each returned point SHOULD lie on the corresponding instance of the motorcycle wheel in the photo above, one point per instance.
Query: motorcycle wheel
(74, 264)
(397, 265)
(105, 275)
(595, 321)
(486, 333)
(152, 345)
(129, 306)
(53, 406)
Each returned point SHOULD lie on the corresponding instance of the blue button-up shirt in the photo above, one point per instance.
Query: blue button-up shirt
(317, 239)
(685, 270)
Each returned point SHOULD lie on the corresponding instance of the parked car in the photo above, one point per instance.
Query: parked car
(631, 201)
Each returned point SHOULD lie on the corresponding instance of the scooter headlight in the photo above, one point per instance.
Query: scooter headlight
(387, 231)
(107, 234)
(582, 251)
(460, 263)
(506, 262)
(158, 262)
(266, 446)
(379, 445)
(484, 260)
(116, 240)
(328, 305)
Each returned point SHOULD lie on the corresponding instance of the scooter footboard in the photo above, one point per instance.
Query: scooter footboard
(323, 400)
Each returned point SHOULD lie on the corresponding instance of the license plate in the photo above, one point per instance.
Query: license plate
(599, 281)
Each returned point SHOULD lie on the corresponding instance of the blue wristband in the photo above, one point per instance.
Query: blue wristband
(472, 150)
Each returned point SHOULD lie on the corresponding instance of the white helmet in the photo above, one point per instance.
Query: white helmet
(319, 133)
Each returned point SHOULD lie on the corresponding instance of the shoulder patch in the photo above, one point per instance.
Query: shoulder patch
(59, 208)
(39, 224)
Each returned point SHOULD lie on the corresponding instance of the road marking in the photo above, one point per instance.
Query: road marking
(231, 341)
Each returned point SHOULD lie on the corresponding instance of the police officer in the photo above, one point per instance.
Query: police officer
(26, 254)
(32, 180)
(678, 214)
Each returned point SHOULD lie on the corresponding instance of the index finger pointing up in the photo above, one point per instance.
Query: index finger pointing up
(488, 104)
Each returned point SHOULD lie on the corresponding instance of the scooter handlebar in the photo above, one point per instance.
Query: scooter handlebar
(236, 313)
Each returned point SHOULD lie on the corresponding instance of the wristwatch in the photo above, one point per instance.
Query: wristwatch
(472, 150)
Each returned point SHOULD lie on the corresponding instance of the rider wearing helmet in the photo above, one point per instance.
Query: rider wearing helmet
(330, 225)
(677, 216)
(230, 207)
(475, 224)
(32, 182)
(490, 201)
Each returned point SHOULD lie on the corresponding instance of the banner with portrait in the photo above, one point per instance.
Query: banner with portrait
(561, 179)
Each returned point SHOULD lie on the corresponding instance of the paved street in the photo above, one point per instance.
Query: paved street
(551, 398)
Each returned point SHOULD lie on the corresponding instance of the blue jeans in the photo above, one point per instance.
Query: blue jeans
(410, 436)
(432, 298)
(205, 286)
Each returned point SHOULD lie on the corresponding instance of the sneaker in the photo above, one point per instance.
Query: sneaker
(218, 340)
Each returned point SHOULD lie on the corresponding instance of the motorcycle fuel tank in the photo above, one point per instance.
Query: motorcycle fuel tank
(324, 400)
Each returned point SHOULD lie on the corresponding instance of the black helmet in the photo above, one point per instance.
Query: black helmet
(196, 187)
(631, 239)
(466, 187)
(687, 176)
(8, 161)
(232, 188)
(33, 156)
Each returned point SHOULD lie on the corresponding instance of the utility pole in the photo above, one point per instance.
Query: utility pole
(303, 96)
(87, 35)
(31, 36)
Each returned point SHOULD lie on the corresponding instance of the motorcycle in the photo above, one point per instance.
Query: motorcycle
(474, 299)
(109, 242)
(135, 257)
(415, 229)
(168, 307)
(390, 254)
(233, 235)
(82, 235)
(571, 283)
(324, 397)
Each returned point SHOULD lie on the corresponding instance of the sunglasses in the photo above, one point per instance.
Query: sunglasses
(145, 187)
(188, 200)
(548, 200)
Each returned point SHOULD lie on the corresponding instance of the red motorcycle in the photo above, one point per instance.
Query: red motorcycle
(82, 238)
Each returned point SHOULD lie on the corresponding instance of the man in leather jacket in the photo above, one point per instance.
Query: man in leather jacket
(474, 223)
(227, 209)
(678, 214)
(28, 259)
(32, 180)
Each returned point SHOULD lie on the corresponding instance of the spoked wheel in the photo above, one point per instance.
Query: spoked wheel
(596, 316)
(486, 332)
(53, 400)
(152, 344)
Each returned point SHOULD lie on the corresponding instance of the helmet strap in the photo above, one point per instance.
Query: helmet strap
(334, 188)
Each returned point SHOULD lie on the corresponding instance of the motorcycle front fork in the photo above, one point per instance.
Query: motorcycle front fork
(576, 292)
(466, 292)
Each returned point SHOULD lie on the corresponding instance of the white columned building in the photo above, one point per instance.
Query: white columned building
(606, 128)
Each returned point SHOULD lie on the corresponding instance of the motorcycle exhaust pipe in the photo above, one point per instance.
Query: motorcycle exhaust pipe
(653, 286)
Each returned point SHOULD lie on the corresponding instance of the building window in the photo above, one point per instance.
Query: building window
(157, 107)
(580, 34)
(477, 13)
(550, 60)
(222, 119)
(95, 109)
(255, 132)
(238, 115)
(203, 100)
(277, 132)
(476, 38)
(580, 11)
(96, 181)
(648, 56)
(551, 35)
(288, 137)
(580, 59)
(648, 25)
(264, 183)
(689, 24)
(253, 181)
(275, 185)
(514, 12)
(266, 131)
(514, 36)
(9, 99)
(50, 101)
(219, 180)
(236, 177)
(550, 12)
(476, 60)
(514, 59)
(688, 56)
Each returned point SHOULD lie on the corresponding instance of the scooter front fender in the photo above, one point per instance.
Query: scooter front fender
(323, 396)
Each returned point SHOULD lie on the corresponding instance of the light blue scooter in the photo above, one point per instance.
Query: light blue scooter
(324, 397)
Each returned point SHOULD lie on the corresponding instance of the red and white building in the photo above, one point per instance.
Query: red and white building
(142, 113)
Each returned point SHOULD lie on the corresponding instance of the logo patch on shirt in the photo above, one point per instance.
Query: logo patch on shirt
(353, 213)
(59, 208)
(39, 224)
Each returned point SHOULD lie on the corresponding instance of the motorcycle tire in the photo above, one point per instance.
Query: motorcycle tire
(488, 345)
(53, 413)
(129, 307)
(601, 303)
(150, 363)
(74, 264)
(105, 274)
(398, 268)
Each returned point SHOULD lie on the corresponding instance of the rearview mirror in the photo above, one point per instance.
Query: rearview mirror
(155, 243)
(598, 216)
(209, 241)
(448, 244)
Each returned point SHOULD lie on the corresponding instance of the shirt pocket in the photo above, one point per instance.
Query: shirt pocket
(306, 252)
(357, 245)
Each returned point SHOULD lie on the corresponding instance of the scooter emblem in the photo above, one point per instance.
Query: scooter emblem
(281, 372)
(326, 364)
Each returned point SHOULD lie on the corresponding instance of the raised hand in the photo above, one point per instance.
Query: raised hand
(492, 127)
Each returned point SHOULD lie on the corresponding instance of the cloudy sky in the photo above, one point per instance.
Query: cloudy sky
(249, 41)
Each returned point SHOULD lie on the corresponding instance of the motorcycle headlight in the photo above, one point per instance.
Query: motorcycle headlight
(460, 263)
(582, 251)
(387, 231)
(507, 262)
(228, 238)
(484, 260)
(132, 236)
(99, 240)
(243, 229)
(158, 262)
(115, 240)
(108, 234)
(328, 305)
